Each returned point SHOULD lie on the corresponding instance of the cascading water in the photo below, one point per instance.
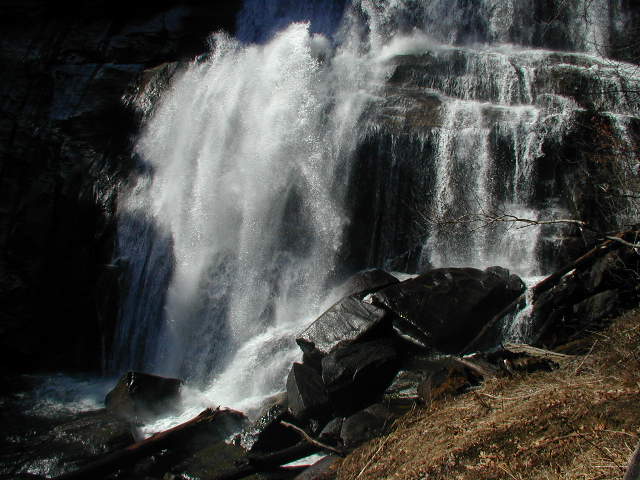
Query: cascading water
(264, 165)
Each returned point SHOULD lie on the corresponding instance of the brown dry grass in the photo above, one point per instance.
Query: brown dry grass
(580, 421)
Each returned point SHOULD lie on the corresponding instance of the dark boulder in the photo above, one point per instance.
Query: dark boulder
(584, 299)
(446, 308)
(267, 434)
(51, 447)
(365, 425)
(367, 281)
(330, 434)
(597, 307)
(138, 396)
(450, 379)
(356, 374)
(347, 321)
(403, 390)
(306, 393)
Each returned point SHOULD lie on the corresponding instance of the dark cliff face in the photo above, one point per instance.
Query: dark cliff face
(64, 145)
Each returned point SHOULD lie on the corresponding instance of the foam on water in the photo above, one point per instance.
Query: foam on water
(53, 395)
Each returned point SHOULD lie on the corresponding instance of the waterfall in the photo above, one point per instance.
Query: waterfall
(328, 138)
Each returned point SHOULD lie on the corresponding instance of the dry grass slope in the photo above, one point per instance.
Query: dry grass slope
(581, 421)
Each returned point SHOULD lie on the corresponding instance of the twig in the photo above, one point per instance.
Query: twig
(366, 465)
(312, 440)
(585, 357)
(507, 472)
(624, 242)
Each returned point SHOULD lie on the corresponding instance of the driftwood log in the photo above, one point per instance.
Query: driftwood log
(129, 455)
(552, 280)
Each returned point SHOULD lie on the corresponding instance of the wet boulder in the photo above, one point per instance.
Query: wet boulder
(138, 396)
(306, 393)
(52, 447)
(267, 434)
(347, 321)
(355, 375)
(451, 378)
(445, 308)
(367, 281)
(366, 424)
(403, 390)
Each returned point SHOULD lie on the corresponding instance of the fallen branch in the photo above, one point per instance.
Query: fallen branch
(536, 352)
(129, 455)
(624, 242)
(312, 440)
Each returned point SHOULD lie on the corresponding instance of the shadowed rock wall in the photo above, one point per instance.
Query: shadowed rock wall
(64, 145)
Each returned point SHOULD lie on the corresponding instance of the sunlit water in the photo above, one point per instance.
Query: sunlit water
(232, 234)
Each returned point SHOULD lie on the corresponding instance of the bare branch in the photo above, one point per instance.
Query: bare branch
(312, 440)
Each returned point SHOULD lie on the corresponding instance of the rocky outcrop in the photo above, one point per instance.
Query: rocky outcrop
(445, 308)
(585, 298)
(355, 373)
(306, 392)
(140, 396)
(70, 442)
(64, 145)
(346, 322)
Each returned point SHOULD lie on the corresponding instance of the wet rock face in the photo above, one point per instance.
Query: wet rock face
(355, 374)
(64, 144)
(367, 281)
(445, 308)
(345, 322)
(139, 396)
(51, 447)
(585, 298)
(306, 393)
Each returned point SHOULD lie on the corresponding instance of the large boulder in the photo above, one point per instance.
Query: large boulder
(365, 425)
(584, 299)
(450, 379)
(347, 321)
(446, 308)
(267, 434)
(356, 374)
(138, 396)
(367, 281)
(306, 393)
